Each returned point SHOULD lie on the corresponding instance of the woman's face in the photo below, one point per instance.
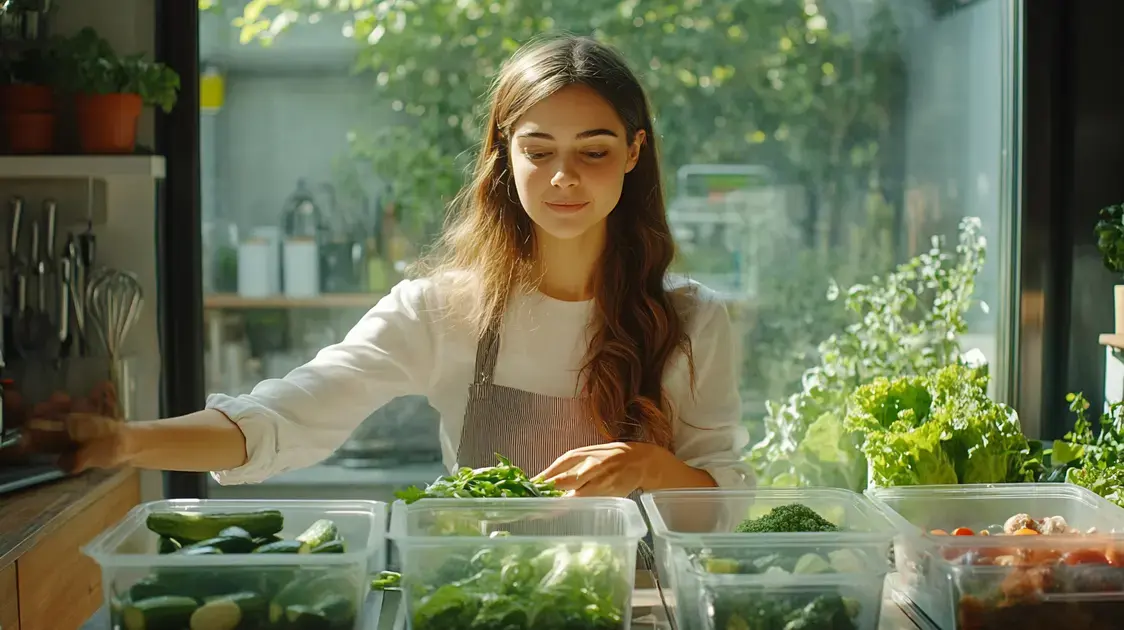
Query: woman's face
(569, 156)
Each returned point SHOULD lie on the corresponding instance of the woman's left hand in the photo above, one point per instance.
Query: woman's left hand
(609, 470)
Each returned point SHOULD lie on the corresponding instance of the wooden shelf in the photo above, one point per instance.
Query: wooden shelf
(233, 301)
(81, 166)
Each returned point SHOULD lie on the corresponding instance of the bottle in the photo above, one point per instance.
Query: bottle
(301, 250)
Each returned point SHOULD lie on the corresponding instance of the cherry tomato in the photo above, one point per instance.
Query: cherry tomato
(938, 532)
(963, 531)
(1085, 556)
(1026, 531)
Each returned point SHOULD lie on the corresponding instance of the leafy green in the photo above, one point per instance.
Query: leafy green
(1094, 461)
(904, 324)
(787, 518)
(88, 64)
(747, 608)
(504, 480)
(939, 428)
(517, 586)
(1110, 237)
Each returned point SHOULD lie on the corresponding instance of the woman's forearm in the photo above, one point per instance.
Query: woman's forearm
(679, 475)
(203, 441)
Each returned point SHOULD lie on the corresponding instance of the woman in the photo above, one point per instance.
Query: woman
(544, 328)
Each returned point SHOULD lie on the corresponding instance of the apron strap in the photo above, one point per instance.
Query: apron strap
(487, 349)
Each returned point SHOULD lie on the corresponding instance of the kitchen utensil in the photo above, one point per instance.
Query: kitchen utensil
(15, 268)
(83, 269)
(37, 333)
(114, 300)
(64, 338)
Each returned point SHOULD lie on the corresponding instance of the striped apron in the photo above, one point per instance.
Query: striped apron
(530, 429)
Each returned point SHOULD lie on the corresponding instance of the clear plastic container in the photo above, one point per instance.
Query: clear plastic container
(721, 578)
(518, 563)
(1029, 581)
(264, 588)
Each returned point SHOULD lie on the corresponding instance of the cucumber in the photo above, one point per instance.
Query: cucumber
(148, 588)
(265, 540)
(237, 532)
(194, 526)
(332, 546)
(225, 544)
(227, 612)
(170, 612)
(307, 591)
(168, 545)
(301, 617)
(318, 533)
(203, 550)
(282, 546)
(339, 610)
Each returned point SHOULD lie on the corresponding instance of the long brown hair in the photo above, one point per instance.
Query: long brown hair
(636, 327)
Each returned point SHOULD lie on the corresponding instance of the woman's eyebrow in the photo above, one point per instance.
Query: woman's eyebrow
(589, 133)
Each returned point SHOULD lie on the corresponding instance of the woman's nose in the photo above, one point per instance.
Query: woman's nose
(566, 176)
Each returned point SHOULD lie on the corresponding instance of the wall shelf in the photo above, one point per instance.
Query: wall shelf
(81, 166)
(233, 301)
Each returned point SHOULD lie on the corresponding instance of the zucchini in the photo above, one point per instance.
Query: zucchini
(157, 613)
(194, 526)
(332, 546)
(227, 612)
(225, 544)
(282, 546)
(168, 545)
(318, 533)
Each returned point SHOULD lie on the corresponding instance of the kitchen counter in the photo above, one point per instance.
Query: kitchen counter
(45, 579)
(30, 515)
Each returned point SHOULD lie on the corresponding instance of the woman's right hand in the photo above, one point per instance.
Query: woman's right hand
(81, 440)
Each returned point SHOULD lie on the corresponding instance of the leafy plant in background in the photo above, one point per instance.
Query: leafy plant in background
(735, 81)
(939, 428)
(89, 65)
(1110, 237)
(905, 323)
(1094, 461)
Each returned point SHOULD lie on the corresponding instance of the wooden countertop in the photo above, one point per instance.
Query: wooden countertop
(28, 515)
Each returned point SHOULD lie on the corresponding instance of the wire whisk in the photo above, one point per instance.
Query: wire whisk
(114, 300)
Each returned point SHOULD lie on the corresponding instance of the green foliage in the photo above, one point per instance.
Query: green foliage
(1091, 459)
(903, 324)
(1110, 237)
(731, 81)
(89, 65)
(503, 480)
(939, 428)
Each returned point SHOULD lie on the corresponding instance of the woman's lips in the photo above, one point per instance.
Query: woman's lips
(567, 206)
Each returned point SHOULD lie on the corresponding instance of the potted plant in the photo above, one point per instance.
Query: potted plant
(110, 92)
(27, 95)
(1110, 242)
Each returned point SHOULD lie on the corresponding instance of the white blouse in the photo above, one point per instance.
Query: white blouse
(409, 345)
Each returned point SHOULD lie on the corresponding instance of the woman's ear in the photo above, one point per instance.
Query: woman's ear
(634, 150)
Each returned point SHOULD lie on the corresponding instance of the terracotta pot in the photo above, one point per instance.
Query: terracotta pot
(20, 98)
(30, 133)
(107, 123)
(1118, 304)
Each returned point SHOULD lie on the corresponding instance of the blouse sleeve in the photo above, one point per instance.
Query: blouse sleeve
(299, 420)
(709, 433)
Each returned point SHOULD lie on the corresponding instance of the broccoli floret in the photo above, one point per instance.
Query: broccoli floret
(787, 519)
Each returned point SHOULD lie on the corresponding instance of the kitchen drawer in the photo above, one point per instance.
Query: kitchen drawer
(9, 599)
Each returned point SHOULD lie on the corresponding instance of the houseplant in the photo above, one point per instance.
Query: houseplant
(27, 95)
(1110, 242)
(110, 91)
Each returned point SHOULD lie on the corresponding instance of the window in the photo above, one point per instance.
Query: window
(807, 146)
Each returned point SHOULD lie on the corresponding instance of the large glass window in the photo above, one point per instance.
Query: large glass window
(809, 147)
